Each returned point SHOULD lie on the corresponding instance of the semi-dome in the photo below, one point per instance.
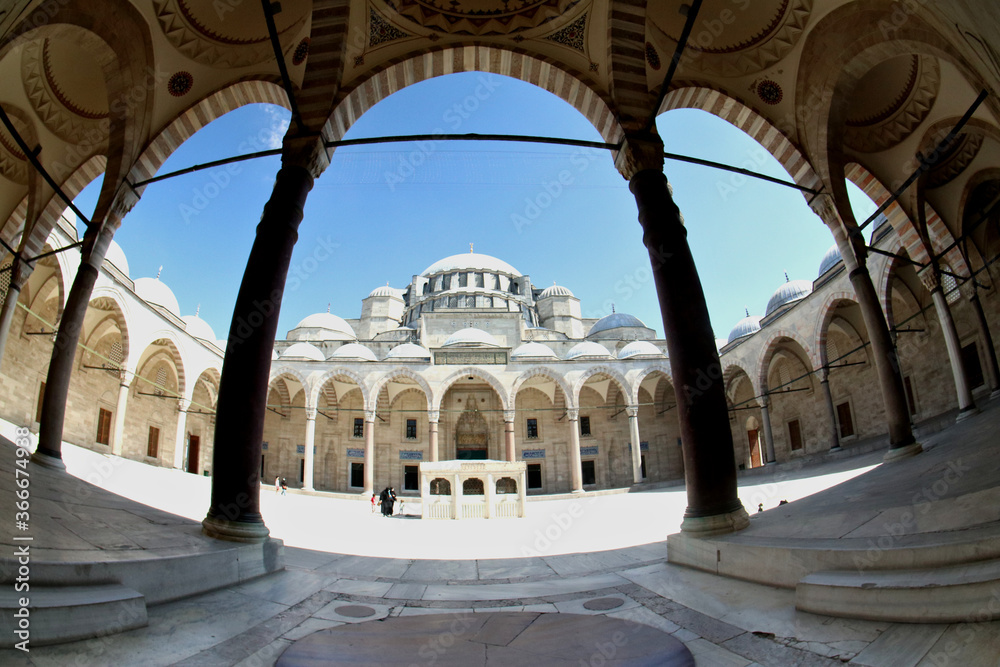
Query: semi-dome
(555, 290)
(638, 349)
(198, 327)
(830, 260)
(748, 325)
(792, 291)
(470, 261)
(354, 352)
(385, 290)
(533, 350)
(151, 290)
(303, 351)
(409, 351)
(328, 326)
(588, 350)
(116, 256)
(614, 321)
(471, 337)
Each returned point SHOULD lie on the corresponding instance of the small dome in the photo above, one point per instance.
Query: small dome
(792, 291)
(830, 260)
(151, 290)
(274, 353)
(385, 290)
(331, 327)
(745, 327)
(409, 351)
(470, 261)
(471, 337)
(588, 350)
(533, 350)
(638, 349)
(116, 256)
(614, 321)
(198, 327)
(354, 351)
(554, 290)
(303, 351)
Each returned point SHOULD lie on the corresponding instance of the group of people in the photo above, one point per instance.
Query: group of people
(386, 500)
(280, 485)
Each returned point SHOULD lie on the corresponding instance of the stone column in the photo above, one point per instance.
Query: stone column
(765, 416)
(180, 441)
(709, 461)
(932, 281)
(456, 496)
(897, 415)
(433, 416)
(508, 436)
(488, 490)
(633, 432)
(308, 474)
(575, 462)
(831, 414)
(239, 427)
(96, 240)
(992, 371)
(18, 276)
(369, 452)
(118, 435)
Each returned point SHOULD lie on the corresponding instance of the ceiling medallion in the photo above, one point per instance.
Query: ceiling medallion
(381, 31)
(652, 57)
(572, 35)
(301, 52)
(180, 83)
(481, 17)
(769, 92)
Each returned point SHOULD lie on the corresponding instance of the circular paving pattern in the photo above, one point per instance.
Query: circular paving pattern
(603, 604)
(355, 611)
(507, 638)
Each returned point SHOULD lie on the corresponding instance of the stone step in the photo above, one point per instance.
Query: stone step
(959, 593)
(68, 613)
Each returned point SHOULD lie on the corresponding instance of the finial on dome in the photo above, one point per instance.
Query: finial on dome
(328, 306)
(786, 276)
(470, 249)
(747, 311)
(159, 271)
(197, 310)
(612, 309)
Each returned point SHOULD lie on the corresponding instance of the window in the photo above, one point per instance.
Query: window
(473, 487)
(153, 444)
(506, 485)
(410, 478)
(463, 279)
(534, 475)
(589, 473)
(262, 475)
(104, 426)
(41, 398)
(359, 427)
(911, 401)
(584, 425)
(411, 429)
(532, 429)
(440, 487)
(357, 474)
(795, 434)
(643, 465)
(844, 419)
(302, 471)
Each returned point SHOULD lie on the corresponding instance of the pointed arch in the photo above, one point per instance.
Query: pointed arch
(640, 375)
(473, 371)
(418, 379)
(333, 373)
(614, 374)
(542, 371)
(770, 347)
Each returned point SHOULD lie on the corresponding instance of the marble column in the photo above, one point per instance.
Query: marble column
(765, 416)
(901, 441)
(932, 281)
(180, 442)
(831, 414)
(118, 435)
(18, 276)
(633, 436)
(709, 460)
(310, 445)
(433, 416)
(992, 370)
(575, 462)
(508, 436)
(456, 496)
(369, 453)
(239, 424)
(96, 241)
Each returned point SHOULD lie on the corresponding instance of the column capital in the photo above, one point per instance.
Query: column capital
(822, 205)
(433, 416)
(125, 200)
(311, 413)
(824, 374)
(308, 152)
(764, 401)
(639, 152)
(968, 289)
(369, 415)
(632, 411)
(182, 404)
(573, 414)
(930, 277)
(509, 415)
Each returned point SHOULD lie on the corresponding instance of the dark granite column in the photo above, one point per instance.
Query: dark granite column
(932, 281)
(709, 461)
(992, 371)
(234, 513)
(897, 415)
(96, 241)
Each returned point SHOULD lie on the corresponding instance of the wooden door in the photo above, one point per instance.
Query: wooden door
(752, 436)
(194, 453)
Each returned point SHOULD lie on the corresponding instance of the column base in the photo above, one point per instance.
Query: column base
(970, 411)
(580, 491)
(47, 461)
(837, 448)
(234, 531)
(995, 395)
(902, 452)
(716, 524)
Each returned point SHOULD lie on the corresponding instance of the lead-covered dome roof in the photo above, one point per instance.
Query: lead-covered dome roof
(639, 349)
(588, 350)
(409, 351)
(830, 260)
(471, 337)
(614, 321)
(303, 351)
(790, 292)
(554, 290)
(151, 290)
(198, 328)
(533, 350)
(470, 261)
(748, 325)
(329, 326)
(354, 352)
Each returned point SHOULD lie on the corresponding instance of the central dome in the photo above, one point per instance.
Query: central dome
(470, 261)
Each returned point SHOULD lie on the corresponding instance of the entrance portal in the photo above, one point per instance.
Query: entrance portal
(472, 435)
(194, 450)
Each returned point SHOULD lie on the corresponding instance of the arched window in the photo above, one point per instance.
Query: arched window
(440, 487)
(506, 485)
(473, 487)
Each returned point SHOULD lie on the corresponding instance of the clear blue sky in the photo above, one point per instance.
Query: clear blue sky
(389, 211)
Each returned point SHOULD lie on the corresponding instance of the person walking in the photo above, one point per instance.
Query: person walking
(387, 498)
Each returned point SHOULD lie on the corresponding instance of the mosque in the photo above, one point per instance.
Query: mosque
(889, 341)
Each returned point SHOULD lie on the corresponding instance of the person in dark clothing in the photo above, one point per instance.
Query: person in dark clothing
(387, 498)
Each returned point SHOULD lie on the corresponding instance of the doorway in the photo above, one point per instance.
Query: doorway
(194, 452)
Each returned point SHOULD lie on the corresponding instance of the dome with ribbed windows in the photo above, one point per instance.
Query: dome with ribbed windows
(470, 261)
(554, 290)
(790, 292)
(385, 290)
